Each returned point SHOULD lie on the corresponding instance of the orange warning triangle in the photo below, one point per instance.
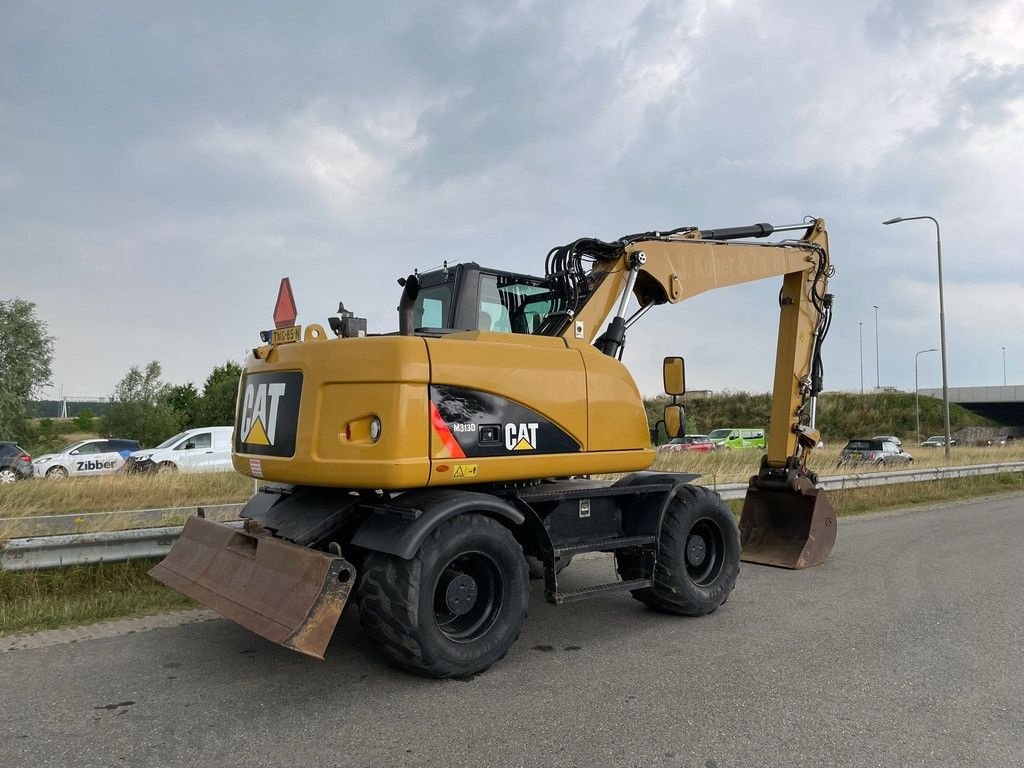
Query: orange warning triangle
(523, 445)
(284, 310)
(257, 435)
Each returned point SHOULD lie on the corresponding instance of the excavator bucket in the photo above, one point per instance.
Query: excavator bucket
(290, 595)
(786, 528)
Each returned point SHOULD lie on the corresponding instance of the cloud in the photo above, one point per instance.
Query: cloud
(146, 146)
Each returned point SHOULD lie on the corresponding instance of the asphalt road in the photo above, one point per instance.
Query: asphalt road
(905, 649)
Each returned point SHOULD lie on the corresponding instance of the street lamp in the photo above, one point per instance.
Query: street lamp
(862, 357)
(942, 318)
(917, 393)
(878, 381)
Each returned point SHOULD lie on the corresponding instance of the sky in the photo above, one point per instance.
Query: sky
(162, 166)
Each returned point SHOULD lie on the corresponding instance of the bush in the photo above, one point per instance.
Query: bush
(841, 415)
(84, 421)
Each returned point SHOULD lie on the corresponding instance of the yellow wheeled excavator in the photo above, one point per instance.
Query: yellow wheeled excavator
(419, 469)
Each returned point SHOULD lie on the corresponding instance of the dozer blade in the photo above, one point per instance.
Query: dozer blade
(789, 529)
(288, 594)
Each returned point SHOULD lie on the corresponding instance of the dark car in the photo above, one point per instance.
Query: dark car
(937, 441)
(15, 463)
(880, 452)
(1000, 440)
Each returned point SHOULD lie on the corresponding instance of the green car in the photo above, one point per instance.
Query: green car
(737, 438)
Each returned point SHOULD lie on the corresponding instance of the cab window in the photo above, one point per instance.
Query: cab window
(433, 306)
(202, 440)
(512, 304)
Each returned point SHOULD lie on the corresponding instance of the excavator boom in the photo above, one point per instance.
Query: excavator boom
(786, 521)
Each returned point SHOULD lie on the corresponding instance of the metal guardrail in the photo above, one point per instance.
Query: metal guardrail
(730, 491)
(55, 551)
(90, 522)
(45, 552)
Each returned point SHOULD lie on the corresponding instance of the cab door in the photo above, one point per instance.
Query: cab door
(195, 453)
(95, 458)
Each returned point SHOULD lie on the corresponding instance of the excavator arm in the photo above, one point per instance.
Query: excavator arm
(786, 520)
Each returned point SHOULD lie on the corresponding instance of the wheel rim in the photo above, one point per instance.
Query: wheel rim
(57, 473)
(7, 476)
(705, 551)
(468, 596)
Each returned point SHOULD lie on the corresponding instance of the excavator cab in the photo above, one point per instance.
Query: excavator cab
(468, 297)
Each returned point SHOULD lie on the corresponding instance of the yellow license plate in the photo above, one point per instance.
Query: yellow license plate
(286, 335)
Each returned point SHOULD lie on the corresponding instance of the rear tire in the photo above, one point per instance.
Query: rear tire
(698, 556)
(456, 607)
(7, 476)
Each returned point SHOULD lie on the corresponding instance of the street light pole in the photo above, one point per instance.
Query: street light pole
(878, 381)
(942, 318)
(917, 393)
(862, 357)
(1004, 366)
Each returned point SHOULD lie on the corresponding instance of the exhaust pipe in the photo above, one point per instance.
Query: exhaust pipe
(406, 304)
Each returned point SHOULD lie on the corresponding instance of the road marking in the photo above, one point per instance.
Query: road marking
(51, 637)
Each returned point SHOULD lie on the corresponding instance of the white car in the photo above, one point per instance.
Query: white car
(85, 458)
(207, 449)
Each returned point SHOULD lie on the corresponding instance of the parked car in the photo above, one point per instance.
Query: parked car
(891, 438)
(87, 458)
(1001, 440)
(207, 449)
(15, 463)
(880, 452)
(698, 443)
(937, 441)
(737, 438)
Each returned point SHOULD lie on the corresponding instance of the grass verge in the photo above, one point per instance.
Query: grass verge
(37, 600)
(859, 501)
(122, 492)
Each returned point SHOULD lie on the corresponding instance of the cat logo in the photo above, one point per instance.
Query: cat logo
(259, 412)
(521, 437)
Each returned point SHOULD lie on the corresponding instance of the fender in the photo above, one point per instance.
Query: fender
(401, 535)
(646, 517)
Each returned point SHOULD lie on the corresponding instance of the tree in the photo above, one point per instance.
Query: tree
(184, 401)
(85, 421)
(219, 392)
(26, 352)
(140, 409)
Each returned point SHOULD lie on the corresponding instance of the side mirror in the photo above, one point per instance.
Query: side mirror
(189, 445)
(73, 453)
(673, 373)
(675, 420)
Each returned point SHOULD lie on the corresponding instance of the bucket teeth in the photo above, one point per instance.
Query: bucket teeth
(290, 595)
(785, 528)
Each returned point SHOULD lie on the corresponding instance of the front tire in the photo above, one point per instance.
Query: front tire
(698, 556)
(166, 468)
(57, 473)
(456, 607)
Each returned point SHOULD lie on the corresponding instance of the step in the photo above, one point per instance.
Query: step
(601, 545)
(600, 589)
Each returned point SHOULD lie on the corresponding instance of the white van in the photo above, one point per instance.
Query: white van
(207, 449)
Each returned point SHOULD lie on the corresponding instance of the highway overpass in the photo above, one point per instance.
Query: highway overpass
(1003, 405)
